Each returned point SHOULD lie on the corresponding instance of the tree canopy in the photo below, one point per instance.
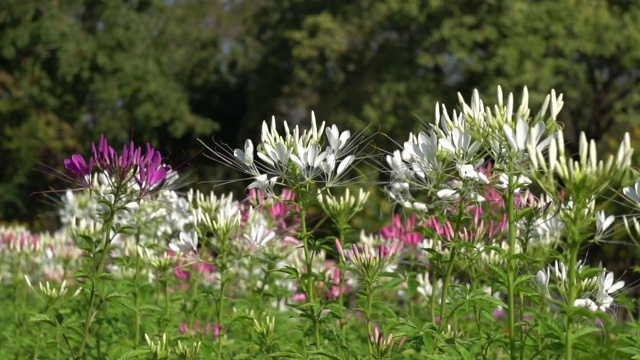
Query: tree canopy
(168, 72)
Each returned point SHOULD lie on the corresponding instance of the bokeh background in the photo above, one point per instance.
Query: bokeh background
(171, 71)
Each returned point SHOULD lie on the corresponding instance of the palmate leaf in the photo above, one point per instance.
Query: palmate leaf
(325, 355)
(584, 330)
(134, 354)
(42, 318)
(126, 303)
(335, 310)
(502, 277)
(384, 308)
(290, 272)
(120, 299)
(393, 283)
(87, 243)
(551, 328)
(286, 355)
(464, 353)
(630, 350)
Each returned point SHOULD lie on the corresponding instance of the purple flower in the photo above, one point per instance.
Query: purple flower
(150, 170)
(129, 156)
(123, 168)
(78, 166)
(104, 155)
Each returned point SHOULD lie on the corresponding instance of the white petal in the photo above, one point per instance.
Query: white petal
(344, 164)
(586, 303)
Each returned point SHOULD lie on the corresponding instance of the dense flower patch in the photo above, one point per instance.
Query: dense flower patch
(483, 256)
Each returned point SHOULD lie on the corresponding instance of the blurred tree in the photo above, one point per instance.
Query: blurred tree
(380, 62)
(170, 71)
(70, 70)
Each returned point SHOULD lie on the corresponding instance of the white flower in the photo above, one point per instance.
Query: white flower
(547, 229)
(336, 139)
(606, 287)
(343, 207)
(186, 243)
(424, 285)
(308, 159)
(420, 152)
(276, 157)
(259, 235)
(632, 193)
(525, 135)
(448, 194)
(560, 270)
(459, 144)
(245, 156)
(586, 303)
(542, 280)
(521, 180)
(263, 183)
(556, 104)
(468, 172)
(329, 165)
(603, 222)
(399, 169)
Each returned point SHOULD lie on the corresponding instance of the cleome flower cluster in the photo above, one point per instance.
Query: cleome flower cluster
(481, 198)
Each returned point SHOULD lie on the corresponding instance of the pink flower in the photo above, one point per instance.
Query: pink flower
(197, 330)
(403, 232)
(335, 290)
(299, 297)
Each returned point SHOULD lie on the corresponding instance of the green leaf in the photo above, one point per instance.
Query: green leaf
(503, 279)
(59, 318)
(324, 354)
(464, 353)
(384, 308)
(395, 282)
(290, 271)
(286, 355)
(134, 354)
(124, 302)
(630, 350)
(552, 325)
(584, 330)
(106, 277)
(522, 279)
(42, 318)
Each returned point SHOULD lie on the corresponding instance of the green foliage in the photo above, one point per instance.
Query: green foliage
(170, 71)
(73, 69)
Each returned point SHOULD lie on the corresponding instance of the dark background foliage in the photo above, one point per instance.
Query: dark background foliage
(170, 71)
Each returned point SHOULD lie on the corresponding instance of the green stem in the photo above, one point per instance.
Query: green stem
(452, 260)
(166, 303)
(194, 283)
(20, 309)
(445, 286)
(341, 267)
(136, 295)
(369, 293)
(342, 232)
(308, 259)
(95, 277)
(223, 283)
(219, 318)
(58, 344)
(432, 300)
(571, 281)
(524, 336)
(511, 223)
